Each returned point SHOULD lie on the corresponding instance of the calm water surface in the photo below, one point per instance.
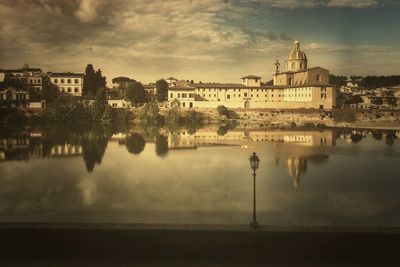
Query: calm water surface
(305, 178)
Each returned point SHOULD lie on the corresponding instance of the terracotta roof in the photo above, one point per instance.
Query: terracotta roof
(181, 88)
(65, 74)
(251, 77)
(172, 78)
(297, 71)
(217, 85)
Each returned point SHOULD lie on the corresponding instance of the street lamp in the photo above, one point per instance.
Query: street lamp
(254, 162)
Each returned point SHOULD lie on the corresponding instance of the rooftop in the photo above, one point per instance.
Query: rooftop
(297, 71)
(65, 74)
(251, 77)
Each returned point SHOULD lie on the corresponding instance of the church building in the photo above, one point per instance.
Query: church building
(296, 87)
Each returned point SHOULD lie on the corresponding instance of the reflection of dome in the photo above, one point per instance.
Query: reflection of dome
(296, 59)
(297, 166)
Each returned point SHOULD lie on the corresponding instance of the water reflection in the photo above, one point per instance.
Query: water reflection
(91, 145)
(297, 165)
(158, 176)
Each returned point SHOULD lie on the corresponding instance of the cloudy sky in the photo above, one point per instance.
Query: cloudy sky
(207, 40)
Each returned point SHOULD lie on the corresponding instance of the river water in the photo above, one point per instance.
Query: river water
(306, 177)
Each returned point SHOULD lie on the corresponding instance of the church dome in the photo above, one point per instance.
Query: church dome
(296, 60)
(296, 53)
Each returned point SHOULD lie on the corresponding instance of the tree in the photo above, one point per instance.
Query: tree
(222, 110)
(121, 79)
(136, 93)
(337, 81)
(162, 90)
(356, 99)
(392, 101)
(49, 92)
(92, 81)
(100, 103)
(88, 80)
(149, 114)
(377, 101)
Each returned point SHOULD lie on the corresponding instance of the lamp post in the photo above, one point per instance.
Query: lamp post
(254, 162)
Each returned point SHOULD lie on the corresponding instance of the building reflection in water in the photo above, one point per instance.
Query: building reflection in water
(297, 165)
(91, 146)
(204, 137)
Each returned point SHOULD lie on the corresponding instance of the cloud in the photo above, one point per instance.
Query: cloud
(133, 37)
(87, 11)
(292, 4)
(152, 39)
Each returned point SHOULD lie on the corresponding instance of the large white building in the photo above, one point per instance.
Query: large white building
(68, 82)
(297, 87)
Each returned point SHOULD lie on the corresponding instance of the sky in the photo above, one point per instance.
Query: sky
(203, 40)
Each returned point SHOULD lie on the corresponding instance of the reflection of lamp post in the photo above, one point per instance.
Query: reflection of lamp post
(254, 162)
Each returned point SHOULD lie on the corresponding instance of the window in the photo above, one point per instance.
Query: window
(69, 89)
(114, 105)
(62, 80)
(318, 78)
(68, 80)
(179, 95)
(293, 65)
(76, 90)
(171, 95)
(184, 95)
(228, 96)
(76, 81)
(55, 80)
(183, 104)
(245, 94)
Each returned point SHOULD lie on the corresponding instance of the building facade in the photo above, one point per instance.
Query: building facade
(71, 83)
(27, 79)
(14, 98)
(297, 87)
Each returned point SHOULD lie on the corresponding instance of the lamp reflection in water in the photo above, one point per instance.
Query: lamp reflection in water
(254, 162)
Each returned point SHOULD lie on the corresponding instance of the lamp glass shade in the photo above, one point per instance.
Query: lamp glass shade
(254, 161)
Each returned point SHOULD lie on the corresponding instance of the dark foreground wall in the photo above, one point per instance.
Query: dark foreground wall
(195, 247)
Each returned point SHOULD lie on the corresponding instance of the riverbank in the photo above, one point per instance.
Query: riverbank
(188, 246)
(374, 119)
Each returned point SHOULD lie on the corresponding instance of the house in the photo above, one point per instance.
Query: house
(68, 82)
(14, 98)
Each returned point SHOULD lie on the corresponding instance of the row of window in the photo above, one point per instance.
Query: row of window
(9, 96)
(35, 80)
(70, 90)
(298, 95)
(185, 95)
(251, 90)
(68, 80)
